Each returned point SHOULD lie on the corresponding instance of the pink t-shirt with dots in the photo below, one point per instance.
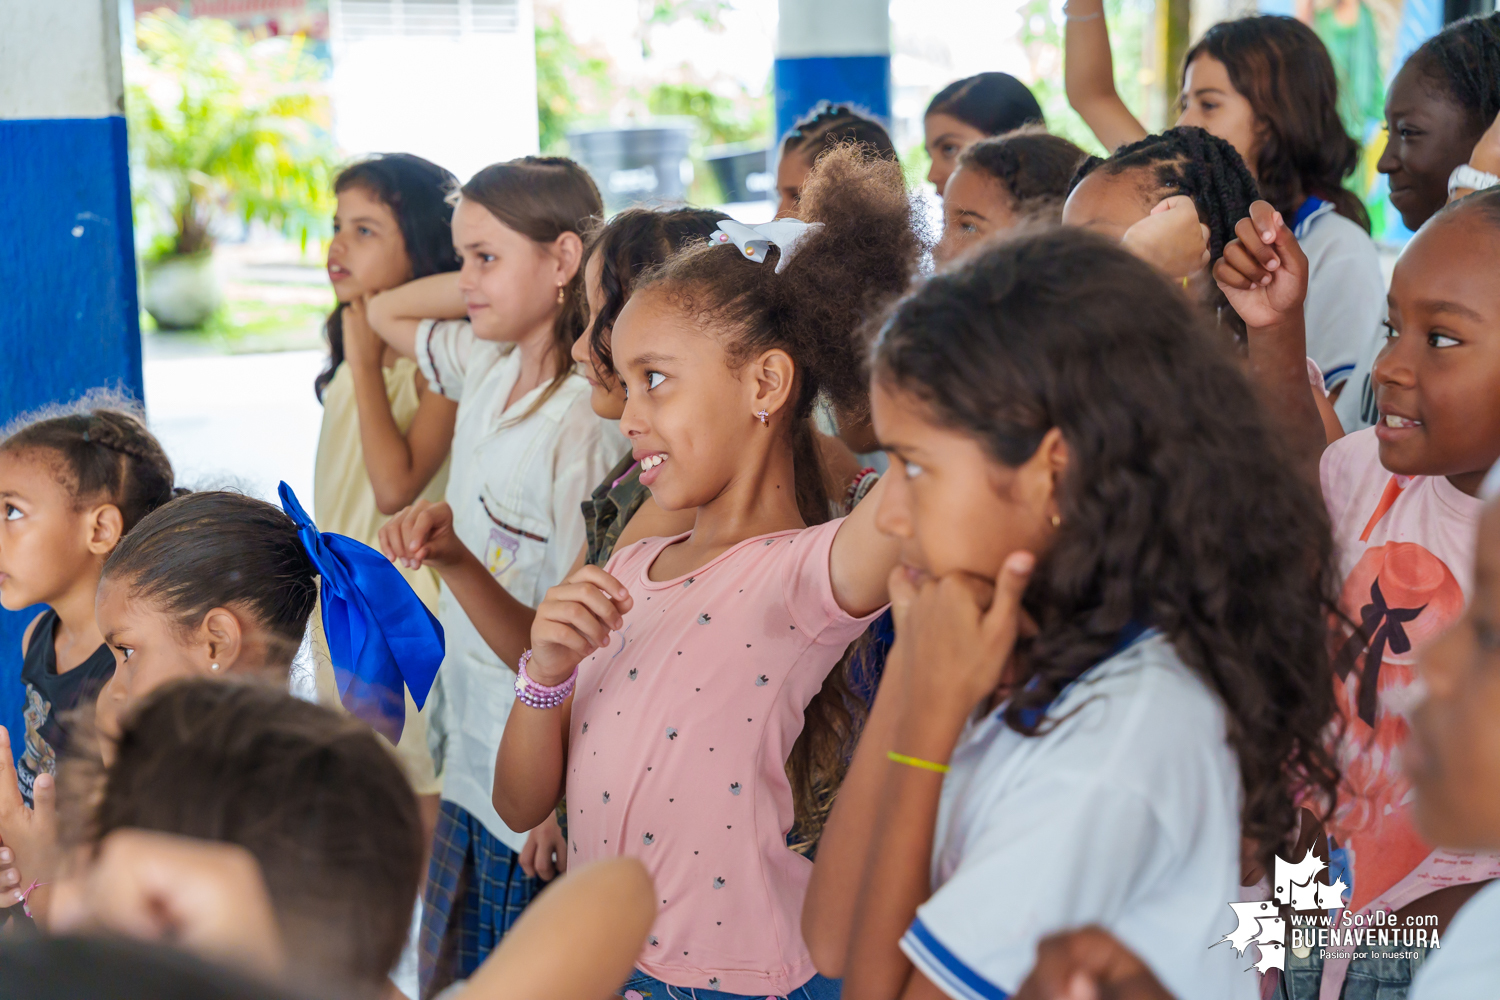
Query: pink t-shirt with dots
(680, 735)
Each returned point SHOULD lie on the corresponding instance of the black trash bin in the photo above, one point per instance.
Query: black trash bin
(743, 171)
(645, 164)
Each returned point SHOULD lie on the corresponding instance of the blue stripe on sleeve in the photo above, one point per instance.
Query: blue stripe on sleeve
(1338, 374)
(944, 968)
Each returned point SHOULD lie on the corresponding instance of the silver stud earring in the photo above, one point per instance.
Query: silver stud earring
(763, 417)
(214, 667)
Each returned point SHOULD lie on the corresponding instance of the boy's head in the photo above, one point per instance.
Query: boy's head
(1453, 753)
(1435, 378)
(312, 793)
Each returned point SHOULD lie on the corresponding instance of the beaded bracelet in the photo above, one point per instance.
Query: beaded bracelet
(534, 695)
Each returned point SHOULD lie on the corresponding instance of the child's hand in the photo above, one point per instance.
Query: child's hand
(10, 879)
(363, 348)
(1264, 272)
(576, 618)
(958, 633)
(1089, 964)
(1170, 239)
(422, 534)
(207, 897)
(542, 845)
(29, 834)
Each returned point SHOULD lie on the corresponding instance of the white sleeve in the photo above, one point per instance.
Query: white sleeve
(1345, 303)
(1054, 855)
(443, 347)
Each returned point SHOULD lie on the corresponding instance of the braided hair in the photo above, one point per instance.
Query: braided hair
(1034, 166)
(1464, 58)
(103, 452)
(1190, 161)
(829, 125)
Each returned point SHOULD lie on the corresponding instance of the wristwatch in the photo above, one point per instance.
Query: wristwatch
(1465, 176)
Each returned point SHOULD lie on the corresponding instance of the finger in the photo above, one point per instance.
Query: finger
(557, 634)
(1253, 239)
(1001, 621)
(1227, 277)
(612, 587)
(1288, 249)
(903, 591)
(10, 787)
(9, 878)
(1242, 261)
(583, 621)
(44, 802)
(595, 600)
(528, 853)
(422, 527)
(390, 538)
(1176, 201)
(545, 870)
(1080, 986)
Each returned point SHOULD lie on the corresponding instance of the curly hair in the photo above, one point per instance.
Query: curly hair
(1283, 69)
(417, 192)
(1464, 59)
(630, 244)
(1035, 167)
(102, 451)
(1179, 508)
(844, 273)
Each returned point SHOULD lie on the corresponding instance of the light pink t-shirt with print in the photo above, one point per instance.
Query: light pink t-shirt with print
(1405, 550)
(679, 740)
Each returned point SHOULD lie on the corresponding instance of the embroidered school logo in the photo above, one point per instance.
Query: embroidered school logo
(1261, 923)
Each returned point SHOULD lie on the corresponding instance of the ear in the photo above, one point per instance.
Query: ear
(568, 249)
(223, 639)
(770, 379)
(1038, 477)
(106, 526)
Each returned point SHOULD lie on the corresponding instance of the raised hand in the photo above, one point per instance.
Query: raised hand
(30, 834)
(1089, 964)
(575, 619)
(1171, 239)
(1263, 272)
(362, 345)
(422, 534)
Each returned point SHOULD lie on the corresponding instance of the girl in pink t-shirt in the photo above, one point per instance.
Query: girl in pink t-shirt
(1402, 501)
(696, 657)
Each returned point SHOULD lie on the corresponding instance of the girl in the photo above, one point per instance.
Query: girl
(527, 449)
(1267, 86)
(997, 184)
(674, 749)
(1436, 112)
(385, 434)
(1401, 498)
(968, 110)
(825, 127)
(1111, 492)
(72, 485)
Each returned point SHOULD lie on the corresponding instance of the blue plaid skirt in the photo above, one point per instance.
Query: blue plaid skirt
(475, 891)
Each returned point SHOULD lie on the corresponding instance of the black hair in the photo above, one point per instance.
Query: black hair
(218, 549)
(1035, 168)
(312, 793)
(993, 103)
(862, 257)
(1179, 509)
(1187, 160)
(417, 192)
(1464, 59)
(102, 451)
(628, 245)
(830, 125)
(1283, 69)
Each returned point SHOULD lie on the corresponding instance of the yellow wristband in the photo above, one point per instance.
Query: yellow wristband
(917, 762)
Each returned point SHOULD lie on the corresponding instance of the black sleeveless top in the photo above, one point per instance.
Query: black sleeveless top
(49, 695)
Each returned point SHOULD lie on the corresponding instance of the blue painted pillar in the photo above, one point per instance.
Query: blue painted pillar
(68, 314)
(834, 50)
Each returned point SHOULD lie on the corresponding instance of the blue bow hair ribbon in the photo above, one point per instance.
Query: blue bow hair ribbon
(381, 637)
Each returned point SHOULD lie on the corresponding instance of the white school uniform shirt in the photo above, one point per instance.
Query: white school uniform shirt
(1126, 815)
(1345, 292)
(515, 487)
(1467, 965)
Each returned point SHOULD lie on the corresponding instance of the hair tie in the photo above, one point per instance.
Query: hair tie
(755, 241)
(381, 637)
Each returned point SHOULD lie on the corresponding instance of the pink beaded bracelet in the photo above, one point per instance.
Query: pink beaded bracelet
(534, 695)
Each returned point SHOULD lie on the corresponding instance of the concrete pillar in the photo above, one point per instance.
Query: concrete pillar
(68, 314)
(835, 50)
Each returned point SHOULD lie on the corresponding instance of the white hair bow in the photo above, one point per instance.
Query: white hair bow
(754, 241)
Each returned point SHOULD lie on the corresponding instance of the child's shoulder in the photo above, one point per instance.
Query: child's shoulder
(1349, 469)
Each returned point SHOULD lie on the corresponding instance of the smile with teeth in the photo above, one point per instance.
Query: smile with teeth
(652, 461)
(1391, 420)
